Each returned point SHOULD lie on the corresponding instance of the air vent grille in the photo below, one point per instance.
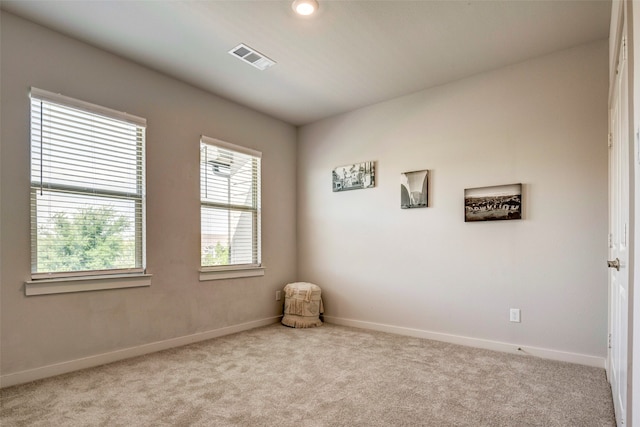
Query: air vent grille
(252, 57)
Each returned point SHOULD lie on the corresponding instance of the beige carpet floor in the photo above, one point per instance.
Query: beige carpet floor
(327, 376)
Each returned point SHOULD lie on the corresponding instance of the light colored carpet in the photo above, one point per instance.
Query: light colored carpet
(327, 376)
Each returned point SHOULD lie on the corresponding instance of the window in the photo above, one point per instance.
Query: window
(87, 189)
(229, 205)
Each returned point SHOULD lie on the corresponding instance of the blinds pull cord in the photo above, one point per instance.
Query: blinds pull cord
(41, 153)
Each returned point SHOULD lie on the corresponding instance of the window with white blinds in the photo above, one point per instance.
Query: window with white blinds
(87, 188)
(229, 205)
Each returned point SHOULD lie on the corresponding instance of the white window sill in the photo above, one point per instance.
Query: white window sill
(85, 283)
(230, 273)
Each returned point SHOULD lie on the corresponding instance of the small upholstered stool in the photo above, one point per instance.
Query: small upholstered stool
(302, 305)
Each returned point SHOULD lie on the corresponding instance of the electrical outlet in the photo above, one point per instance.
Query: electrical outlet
(514, 315)
(278, 295)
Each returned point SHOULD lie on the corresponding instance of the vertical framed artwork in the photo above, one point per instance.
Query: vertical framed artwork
(502, 202)
(414, 189)
(354, 177)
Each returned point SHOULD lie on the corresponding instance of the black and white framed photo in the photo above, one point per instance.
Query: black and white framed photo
(501, 202)
(414, 189)
(354, 177)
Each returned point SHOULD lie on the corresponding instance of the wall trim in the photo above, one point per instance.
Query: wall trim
(63, 285)
(545, 353)
(29, 375)
(114, 356)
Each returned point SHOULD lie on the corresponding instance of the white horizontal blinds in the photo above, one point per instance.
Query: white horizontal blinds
(87, 188)
(230, 204)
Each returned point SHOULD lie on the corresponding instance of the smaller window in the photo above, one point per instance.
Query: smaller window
(229, 205)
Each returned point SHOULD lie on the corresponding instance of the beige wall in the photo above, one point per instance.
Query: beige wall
(542, 123)
(43, 330)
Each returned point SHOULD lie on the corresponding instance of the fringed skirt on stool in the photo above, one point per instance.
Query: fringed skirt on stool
(302, 305)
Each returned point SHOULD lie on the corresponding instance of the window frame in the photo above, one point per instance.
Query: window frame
(43, 282)
(229, 271)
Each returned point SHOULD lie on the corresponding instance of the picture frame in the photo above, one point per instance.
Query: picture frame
(414, 189)
(357, 176)
(495, 203)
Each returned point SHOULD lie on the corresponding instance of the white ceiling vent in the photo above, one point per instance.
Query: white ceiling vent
(252, 56)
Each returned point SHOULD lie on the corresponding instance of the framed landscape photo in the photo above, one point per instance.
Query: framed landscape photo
(414, 189)
(496, 203)
(354, 177)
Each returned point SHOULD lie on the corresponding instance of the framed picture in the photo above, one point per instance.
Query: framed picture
(354, 177)
(493, 203)
(414, 189)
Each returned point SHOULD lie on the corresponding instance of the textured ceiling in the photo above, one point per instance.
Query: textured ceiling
(351, 54)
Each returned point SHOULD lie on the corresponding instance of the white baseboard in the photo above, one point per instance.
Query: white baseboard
(113, 356)
(545, 353)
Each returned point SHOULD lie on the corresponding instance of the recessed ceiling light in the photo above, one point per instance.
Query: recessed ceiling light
(305, 7)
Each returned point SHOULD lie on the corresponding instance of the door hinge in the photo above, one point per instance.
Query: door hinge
(624, 48)
(609, 341)
(610, 143)
(610, 242)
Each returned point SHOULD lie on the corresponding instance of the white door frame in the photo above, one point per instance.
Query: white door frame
(624, 12)
(619, 209)
(632, 16)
